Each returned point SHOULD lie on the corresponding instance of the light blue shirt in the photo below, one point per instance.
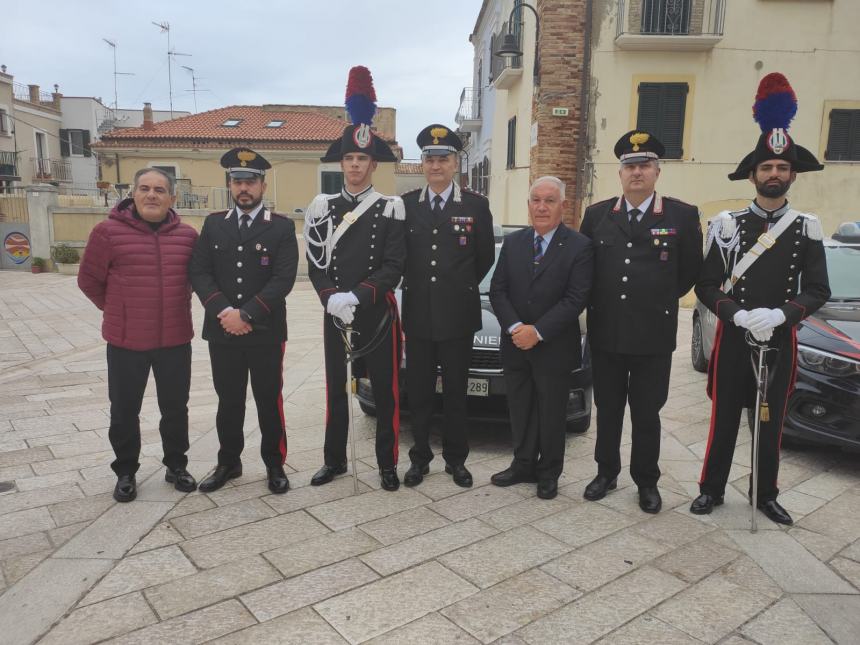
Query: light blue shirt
(547, 238)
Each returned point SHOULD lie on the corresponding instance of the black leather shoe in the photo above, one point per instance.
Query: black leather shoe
(325, 474)
(649, 499)
(547, 488)
(704, 504)
(511, 476)
(462, 476)
(775, 512)
(181, 479)
(598, 487)
(389, 478)
(415, 474)
(218, 478)
(125, 489)
(278, 482)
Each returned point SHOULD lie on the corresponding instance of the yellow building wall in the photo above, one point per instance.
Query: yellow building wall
(291, 183)
(813, 43)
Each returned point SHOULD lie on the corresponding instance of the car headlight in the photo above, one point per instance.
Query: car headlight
(826, 363)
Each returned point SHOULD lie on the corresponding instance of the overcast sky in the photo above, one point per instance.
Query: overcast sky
(249, 53)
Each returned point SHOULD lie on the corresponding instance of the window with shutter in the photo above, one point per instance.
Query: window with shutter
(843, 139)
(662, 108)
(85, 143)
(512, 143)
(76, 143)
(331, 181)
(64, 143)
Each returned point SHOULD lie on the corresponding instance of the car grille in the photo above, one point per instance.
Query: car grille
(486, 359)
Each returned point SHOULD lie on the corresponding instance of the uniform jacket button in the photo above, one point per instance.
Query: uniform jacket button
(239, 264)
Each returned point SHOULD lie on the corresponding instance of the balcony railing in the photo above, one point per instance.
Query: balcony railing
(691, 25)
(469, 114)
(45, 169)
(9, 166)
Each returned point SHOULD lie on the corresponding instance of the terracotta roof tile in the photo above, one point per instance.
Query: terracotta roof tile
(208, 128)
(407, 168)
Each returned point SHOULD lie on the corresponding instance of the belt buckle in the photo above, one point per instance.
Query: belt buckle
(766, 240)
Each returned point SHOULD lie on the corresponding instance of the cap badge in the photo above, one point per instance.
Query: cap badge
(638, 138)
(438, 133)
(362, 136)
(245, 156)
(778, 141)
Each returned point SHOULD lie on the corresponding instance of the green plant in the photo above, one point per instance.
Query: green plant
(36, 261)
(65, 254)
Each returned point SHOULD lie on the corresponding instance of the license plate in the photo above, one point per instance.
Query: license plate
(474, 386)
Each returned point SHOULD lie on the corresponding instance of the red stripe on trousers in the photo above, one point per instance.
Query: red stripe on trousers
(283, 443)
(395, 373)
(715, 363)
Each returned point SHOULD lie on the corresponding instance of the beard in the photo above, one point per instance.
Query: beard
(245, 205)
(772, 188)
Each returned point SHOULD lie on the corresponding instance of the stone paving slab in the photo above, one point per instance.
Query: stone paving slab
(837, 616)
(785, 624)
(320, 551)
(102, 621)
(301, 627)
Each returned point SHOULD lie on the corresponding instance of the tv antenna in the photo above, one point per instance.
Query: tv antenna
(194, 89)
(112, 44)
(165, 27)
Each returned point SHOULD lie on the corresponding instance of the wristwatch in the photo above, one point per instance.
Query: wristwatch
(244, 316)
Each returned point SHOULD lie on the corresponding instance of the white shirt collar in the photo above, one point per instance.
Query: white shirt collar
(445, 194)
(643, 207)
(252, 214)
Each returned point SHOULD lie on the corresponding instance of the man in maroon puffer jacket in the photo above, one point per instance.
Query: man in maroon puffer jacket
(135, 269)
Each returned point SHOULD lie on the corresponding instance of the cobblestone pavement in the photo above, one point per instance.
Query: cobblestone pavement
(434, 564)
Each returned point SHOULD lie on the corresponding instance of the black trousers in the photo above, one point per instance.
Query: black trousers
(128, 371)
(642, 381)
(538, 387)
(453, 356)
(231, 366)
(732, 387)
(382, 365)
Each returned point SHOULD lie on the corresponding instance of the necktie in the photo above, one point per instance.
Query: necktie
(634, 214)
(244, 224)
(437, 204)
(538, 249)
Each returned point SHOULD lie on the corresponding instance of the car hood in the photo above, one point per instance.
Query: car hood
(834, 328)
(489, 336)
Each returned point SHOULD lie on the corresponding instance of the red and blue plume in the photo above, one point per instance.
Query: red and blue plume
(360, 96)
(775, 103)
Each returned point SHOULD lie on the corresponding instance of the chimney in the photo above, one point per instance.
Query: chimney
(34, 93)
(56, 97)
(147, 117)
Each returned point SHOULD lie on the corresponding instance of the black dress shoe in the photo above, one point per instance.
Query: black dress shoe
(649, 499)
(547, 488)
(415, 474)
(462, 476)
(598, 487)
(181, 479)
(325, 474)
(125, 489)
(278, 482)
(218, 478)
(775, 512)
(511, 476)
(704, 504)
(389, 478)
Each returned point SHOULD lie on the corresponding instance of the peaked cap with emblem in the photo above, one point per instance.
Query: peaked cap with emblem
(361, 107)
(244, 163)
(438, 140)
(774, 108)
(637, 146)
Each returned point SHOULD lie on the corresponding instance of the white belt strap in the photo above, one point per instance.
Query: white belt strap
(352, 217)
(763, 243)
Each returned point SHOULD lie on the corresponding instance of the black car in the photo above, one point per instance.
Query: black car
(487, 400)
(825, 404)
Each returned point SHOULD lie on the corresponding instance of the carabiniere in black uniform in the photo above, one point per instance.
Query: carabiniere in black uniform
(252, 270)
(641, 270)
(449, 251)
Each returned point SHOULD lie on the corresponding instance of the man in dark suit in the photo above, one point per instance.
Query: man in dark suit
(539, 288)
(449, 249)
(648, 252)
(243, 266)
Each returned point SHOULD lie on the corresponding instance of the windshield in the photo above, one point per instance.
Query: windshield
(485, 283)
(843, 269)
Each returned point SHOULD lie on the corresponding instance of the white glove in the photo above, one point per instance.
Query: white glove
(741, 319)
(761, 320)
(762, 336)
(342, 305)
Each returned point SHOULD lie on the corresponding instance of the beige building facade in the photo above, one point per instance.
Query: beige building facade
(688, 69)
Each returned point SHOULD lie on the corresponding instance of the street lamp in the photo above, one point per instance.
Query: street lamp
(510, 48)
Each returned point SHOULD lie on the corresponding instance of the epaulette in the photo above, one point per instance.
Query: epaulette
(724, 223)
(394, 208)
(318, 208)
(409, 192)
(811, 226)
